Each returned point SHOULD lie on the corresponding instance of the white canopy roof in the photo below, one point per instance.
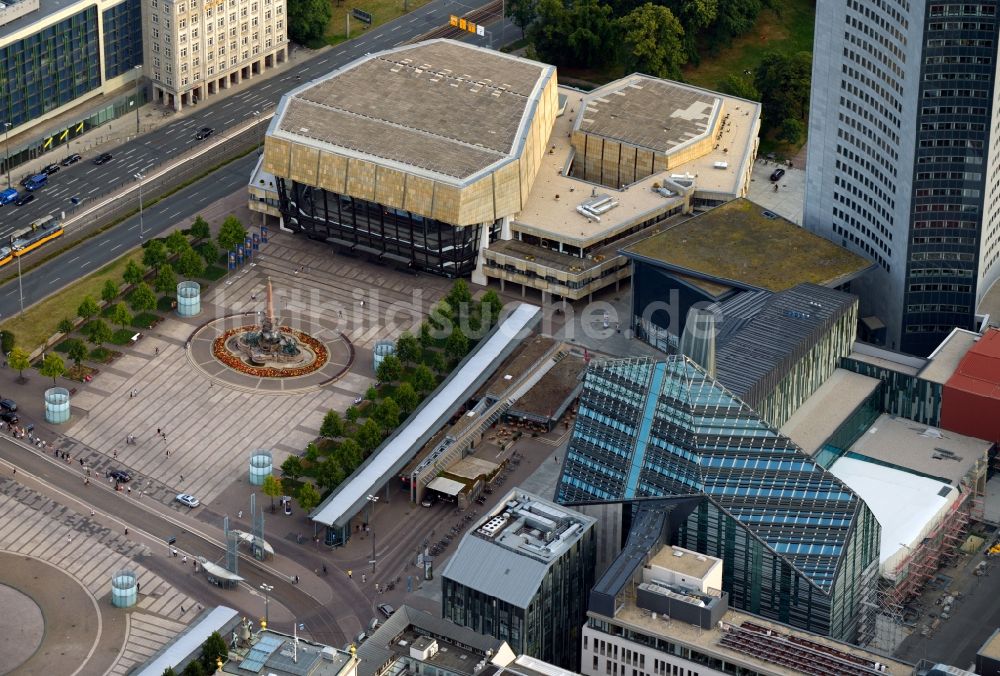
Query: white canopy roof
(349, 497)
(447, 486)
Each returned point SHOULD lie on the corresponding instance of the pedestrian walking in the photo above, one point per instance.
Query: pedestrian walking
(137, 586)
(92, 512)
(115, 454)
(130, 490)
(15, 472)
(158, 432)
(167, 452)
(364, 578)
(156, 351)
(239, 514)
(350, 574)
(184, 560)
(126, 532)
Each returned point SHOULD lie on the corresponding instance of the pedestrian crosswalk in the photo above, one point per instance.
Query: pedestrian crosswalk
(90, 549)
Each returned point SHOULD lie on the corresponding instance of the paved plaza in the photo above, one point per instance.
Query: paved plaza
(213, 422)
(62, 561)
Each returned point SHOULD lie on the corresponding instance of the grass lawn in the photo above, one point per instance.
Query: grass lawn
(144, 320)
(788, 29)
(102, 355)
(122, 336)
(382, 11)
(42, 320)
(165, 304)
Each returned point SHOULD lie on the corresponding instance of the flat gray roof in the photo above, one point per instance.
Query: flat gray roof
(925, 450)
(823, 412)
(648, 112)
(441, 106)
(45, 9)
(941, 364)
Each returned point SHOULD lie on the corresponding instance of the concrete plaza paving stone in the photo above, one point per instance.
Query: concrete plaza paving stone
(212, 429)
(37, 533)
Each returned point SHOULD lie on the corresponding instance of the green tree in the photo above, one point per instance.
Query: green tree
(407, 348)
(312, 452)
(329, 474)
(522, 13)
(734, 18)
(490, 308)
(308, 19)
(406, 397)
(368, 436)
(19, 360)
(653, 41)
(87, 309)
(190, 264)
(783, 82)
(200, 229)
(142, 299)
(457, 345)
(98, 332)
(209, 252)
(387, 414)
(120, 315)
(459, 295)
(154, 255)
(371, 394)
(176, 242)
(65, 326)
(133, 273)
(353, 414)
(423, 379)
(425, 338)
(169, 671)
(232, 233)
(7, 338)
(332, 425)
(194, 668)
(109, 291)
(76, 350)
(791, 131)
(390, 369)
(695, 17)
(213, 650)
(308, 497)
(292, 467)
(741, 86)
(435, 361)
(166, 280)
(272, 488)
(350, 454)
(577, 33)
(52, 367)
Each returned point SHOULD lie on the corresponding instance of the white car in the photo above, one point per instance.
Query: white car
(188, 500)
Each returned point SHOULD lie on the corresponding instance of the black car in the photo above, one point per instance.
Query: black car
(51, 169)
(119, 475)
(24, 199)
(102, 158)
(9, 416)
(8, 404)
(72, 159)
(777, 174)
(204, 133)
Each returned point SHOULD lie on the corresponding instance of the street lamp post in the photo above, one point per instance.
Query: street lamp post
(6, 149)
(372, 499)
(20, 287)
(138, 76)
(267, 589)
(140, 177)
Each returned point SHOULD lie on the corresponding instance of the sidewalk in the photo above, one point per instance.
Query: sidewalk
(152, 116)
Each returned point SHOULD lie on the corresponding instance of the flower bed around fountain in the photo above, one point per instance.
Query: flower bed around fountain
(221, 352)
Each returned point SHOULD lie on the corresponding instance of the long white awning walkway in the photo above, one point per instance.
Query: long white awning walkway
(389, 459)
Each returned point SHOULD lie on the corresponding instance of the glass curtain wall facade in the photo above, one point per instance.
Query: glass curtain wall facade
(798, 546)
(122, 38)
(549, 628)
(50, 68)
(394, 234)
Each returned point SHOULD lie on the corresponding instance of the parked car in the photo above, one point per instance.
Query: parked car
(119, 475)
(777, 174)
(51, 169)
(72, 159)
(8, 404)
(386, 609)
(102, 158)
(26, 198)
(8, 196)
(188, 500)
(204, 133)
(9, 417)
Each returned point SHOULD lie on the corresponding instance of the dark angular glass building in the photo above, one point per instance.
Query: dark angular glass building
(797, 545)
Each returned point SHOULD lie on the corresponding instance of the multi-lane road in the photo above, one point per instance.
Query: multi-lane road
(88, 181)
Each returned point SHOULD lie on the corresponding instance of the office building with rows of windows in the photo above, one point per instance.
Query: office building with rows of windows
(903, 158)
(194, 48)
(799, 547)
(56, 55)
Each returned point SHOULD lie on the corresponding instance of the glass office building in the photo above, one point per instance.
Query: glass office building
(122, 38)
(797, 545)
(50, 68)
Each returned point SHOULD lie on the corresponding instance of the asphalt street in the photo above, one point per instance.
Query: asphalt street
(89, 182)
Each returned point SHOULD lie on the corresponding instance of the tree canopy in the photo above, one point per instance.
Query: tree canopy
(232, 233)
(154, 255)
(52, 367)
(142, 298)
(200, 229)
(653, 41)
(783, 82)
(87, 309)
(308, 19)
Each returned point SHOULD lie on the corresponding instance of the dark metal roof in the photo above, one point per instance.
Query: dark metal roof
(751, 362)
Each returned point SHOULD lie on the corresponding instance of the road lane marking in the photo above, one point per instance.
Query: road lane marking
(116, 247)
(53, 281)
(71, 260)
